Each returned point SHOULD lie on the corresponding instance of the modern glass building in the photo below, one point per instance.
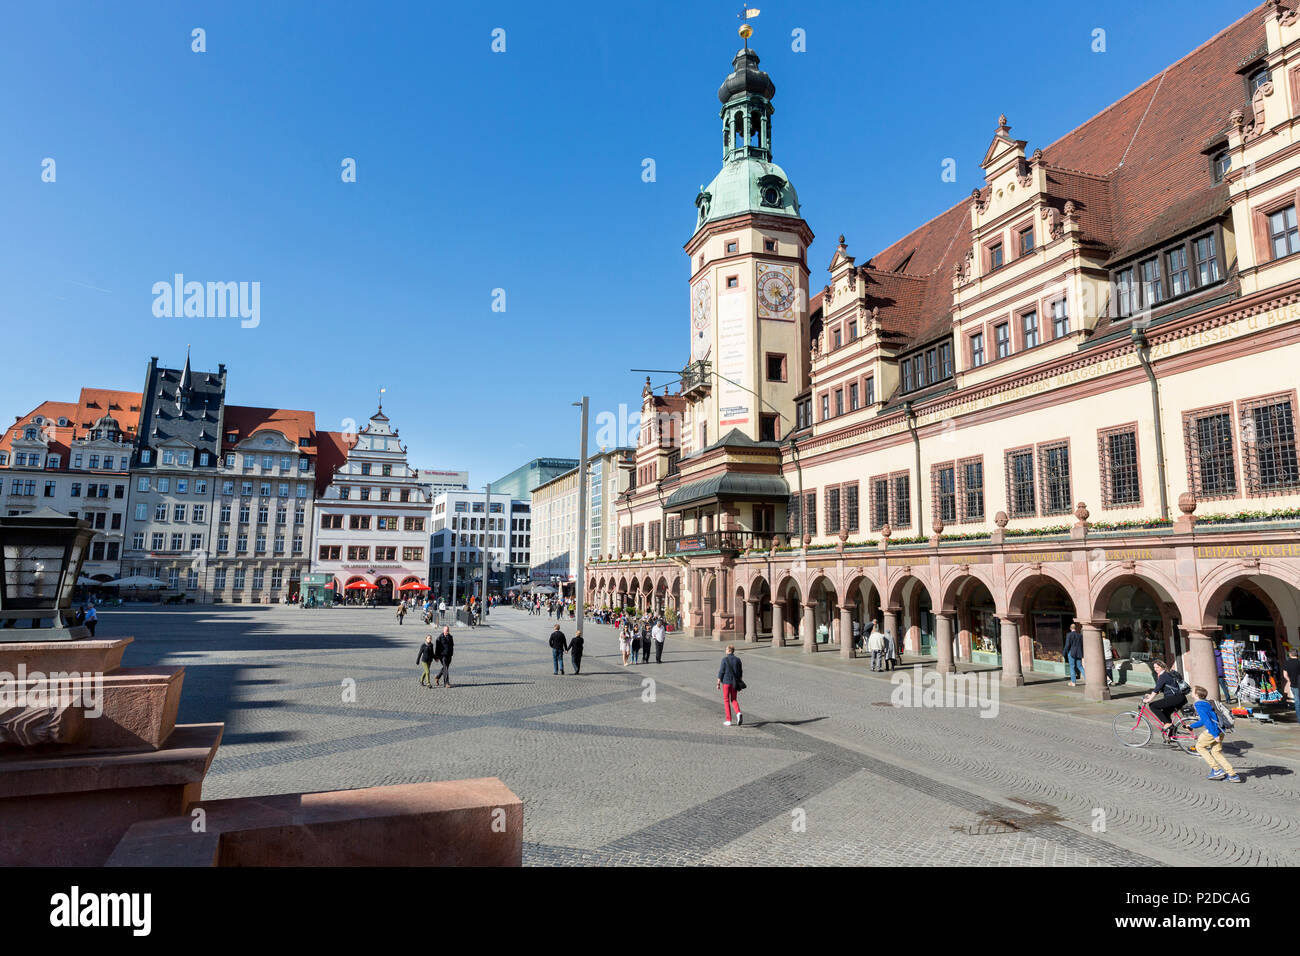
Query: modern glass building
(521, 482)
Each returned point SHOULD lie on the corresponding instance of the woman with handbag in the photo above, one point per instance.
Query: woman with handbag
(730, 683)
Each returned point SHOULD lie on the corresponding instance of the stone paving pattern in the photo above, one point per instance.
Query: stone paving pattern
(823, 772)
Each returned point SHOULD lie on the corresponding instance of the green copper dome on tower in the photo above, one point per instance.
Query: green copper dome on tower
(749, 181)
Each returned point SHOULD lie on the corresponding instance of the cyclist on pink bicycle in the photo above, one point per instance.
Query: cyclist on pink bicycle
(1167, 697)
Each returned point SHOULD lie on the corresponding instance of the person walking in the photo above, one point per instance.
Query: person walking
(625, 641)
(730, 683)
(1074, 653)
(876, 645)
(1209, 743)
(558, 644)
(424, 658)
(888, 638)
(445, 646)
(1290, 667)
(401, 612)
(658, 634)
(636, 644)
(1108, 658)
(575, 652)
(92, 618)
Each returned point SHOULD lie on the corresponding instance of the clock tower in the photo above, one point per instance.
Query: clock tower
(749, 279)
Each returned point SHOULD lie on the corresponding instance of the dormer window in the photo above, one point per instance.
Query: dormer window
(1220, 164)
(1125, 294)
(1259, 78)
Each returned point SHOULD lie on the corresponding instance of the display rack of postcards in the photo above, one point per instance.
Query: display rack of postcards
(1256, 676)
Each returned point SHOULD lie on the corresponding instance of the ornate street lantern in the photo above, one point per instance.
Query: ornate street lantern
(40, 560)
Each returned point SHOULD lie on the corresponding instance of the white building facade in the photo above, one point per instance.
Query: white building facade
(371, 524)
(464, 524)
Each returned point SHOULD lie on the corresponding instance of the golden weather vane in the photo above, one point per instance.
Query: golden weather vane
(746, 31)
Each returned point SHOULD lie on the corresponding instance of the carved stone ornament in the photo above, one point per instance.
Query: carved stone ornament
(1053, 219)
(1237, 119)
(1000, 519)
(1081, 511)
(828, 293)
(977, 200)
(886, 531)
(1187, 503)
(1071, 211)
(853, 280)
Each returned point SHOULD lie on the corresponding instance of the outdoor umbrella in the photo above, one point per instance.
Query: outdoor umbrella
(414, 586)
(136, 581)
(361, 586)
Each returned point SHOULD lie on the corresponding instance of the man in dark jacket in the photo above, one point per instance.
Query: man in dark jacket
(424, 658)
(558, 644)
(729, 681)
(575, 652)
(443, 650)
(1074, 653)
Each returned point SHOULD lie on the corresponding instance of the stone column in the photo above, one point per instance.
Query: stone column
(778, 623)
(846, 631)
(890, 618)
(1011, 673)
(809, 629)
(751, 620)
(1200, 661)
(943, 643)
(1094, 664)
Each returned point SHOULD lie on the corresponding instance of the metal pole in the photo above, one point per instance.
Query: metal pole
(487, 537)
(579, 597)
(455, 560)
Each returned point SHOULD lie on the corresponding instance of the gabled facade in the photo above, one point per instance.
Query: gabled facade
(172, 477)
(372, 516)
(1068, 399)
(262, 508)
(74, 458)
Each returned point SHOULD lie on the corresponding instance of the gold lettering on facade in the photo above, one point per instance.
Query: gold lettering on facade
(1248, 551)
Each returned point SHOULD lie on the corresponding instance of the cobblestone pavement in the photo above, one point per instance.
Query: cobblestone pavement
(633, 765)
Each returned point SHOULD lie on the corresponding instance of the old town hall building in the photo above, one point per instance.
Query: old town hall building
(1070, 398)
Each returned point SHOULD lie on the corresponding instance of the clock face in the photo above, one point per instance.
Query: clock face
(776, 291)
(701, 306)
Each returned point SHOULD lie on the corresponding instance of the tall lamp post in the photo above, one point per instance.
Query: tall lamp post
(580, 581)
(487, 539)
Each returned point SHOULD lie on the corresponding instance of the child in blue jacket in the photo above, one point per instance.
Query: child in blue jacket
(1210, 742)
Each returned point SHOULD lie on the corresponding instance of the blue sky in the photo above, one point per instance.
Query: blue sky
(476, 171)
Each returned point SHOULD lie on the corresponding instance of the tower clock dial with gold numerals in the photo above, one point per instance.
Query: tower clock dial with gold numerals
(776, 292)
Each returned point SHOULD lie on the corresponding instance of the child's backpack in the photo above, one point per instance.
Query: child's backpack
(1227, 722)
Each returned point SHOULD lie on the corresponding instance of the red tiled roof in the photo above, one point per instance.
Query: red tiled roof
(1138, 172)
(332, 452)
(94, 403)
(52, 412)
(243, 420)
